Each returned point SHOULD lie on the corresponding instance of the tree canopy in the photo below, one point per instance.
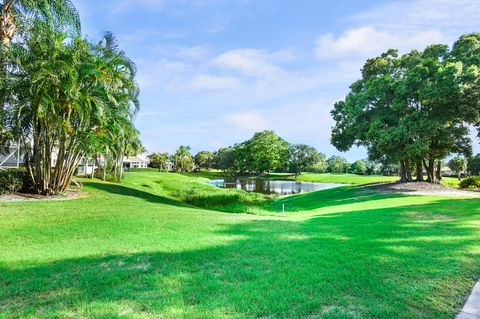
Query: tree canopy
(73, 99)
(413, 109)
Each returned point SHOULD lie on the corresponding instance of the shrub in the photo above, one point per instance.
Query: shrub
(13, 180)
(472, 182)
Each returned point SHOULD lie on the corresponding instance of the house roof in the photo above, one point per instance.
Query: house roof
(131, 159)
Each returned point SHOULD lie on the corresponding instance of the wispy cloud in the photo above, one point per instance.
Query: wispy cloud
(368, 41)
(453, 17)
(211, 82)
(248, 121)
(251, 62)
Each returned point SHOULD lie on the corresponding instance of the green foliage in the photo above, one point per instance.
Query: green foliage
(359, 167)
(302, 156)
(197, 193)
(266, 151)
(458, 164)
(72, 98)
(472, 182)
(225, 159)
(159, 160)
(474, 165)
(13, 180)
(413, 108)
(337, 164)
(183, 160)
(204, 160)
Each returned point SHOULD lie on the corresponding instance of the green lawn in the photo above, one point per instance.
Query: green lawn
(141, 250)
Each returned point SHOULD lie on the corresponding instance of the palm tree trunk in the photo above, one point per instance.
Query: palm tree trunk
(8, 30)
(93, 166)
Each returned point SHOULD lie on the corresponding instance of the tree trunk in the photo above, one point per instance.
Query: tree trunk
(8, 30)
(439, 170)
(419, 171)
(430, 168)
(121, 167)
(93, 166)
(408, 172)
(403, 173)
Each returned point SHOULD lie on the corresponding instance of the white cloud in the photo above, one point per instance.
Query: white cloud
(368, 41)
(248, 121)
(412, 16)
(210, 82)
(250, 62)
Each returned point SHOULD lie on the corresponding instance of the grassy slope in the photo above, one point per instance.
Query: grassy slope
(129, 251)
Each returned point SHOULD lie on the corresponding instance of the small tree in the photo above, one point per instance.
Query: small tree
(267, 151)
(473, 166)
(337, 164)
(359, 167)
(183, 160)
(301, 156)
(225, 159)
(320, 166)
(458, 164)
(204, 160)
(159, 160)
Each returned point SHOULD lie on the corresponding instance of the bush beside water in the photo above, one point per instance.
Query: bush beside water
(199, 194)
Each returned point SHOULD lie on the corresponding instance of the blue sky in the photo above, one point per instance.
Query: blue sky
(212, 72)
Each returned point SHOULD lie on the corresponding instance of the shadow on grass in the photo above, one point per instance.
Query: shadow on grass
(135, 193)
(402, 262)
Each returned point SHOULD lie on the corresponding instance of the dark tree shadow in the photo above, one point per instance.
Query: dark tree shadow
(136, 193)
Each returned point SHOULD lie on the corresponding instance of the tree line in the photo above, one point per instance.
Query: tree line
(64, 98)
(414, 109)
(265, 152)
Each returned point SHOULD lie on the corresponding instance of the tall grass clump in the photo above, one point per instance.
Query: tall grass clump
(198, 193)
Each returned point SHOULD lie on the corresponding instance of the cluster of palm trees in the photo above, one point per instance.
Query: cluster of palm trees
(65, 98)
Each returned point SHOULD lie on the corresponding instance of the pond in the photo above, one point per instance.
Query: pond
(271, 187)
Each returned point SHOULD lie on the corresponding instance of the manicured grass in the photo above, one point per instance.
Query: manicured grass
(133, 251)
(451, 182)
(346, 178)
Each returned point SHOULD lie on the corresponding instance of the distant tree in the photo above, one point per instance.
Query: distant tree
(390, 169)
(337, 164)
(372, 167)
(359, 167)
(458, 164)
(225, 159)
(302, 156)
(267, 151)
(204, 160)
(159, 160)
(320, 166)
(474, 165)
(183, 160)
(243, 158)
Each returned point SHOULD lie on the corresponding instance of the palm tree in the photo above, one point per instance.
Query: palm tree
(71, 97)
(60, 14)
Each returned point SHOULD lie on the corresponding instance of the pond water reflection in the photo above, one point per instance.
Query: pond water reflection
(266, 186)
